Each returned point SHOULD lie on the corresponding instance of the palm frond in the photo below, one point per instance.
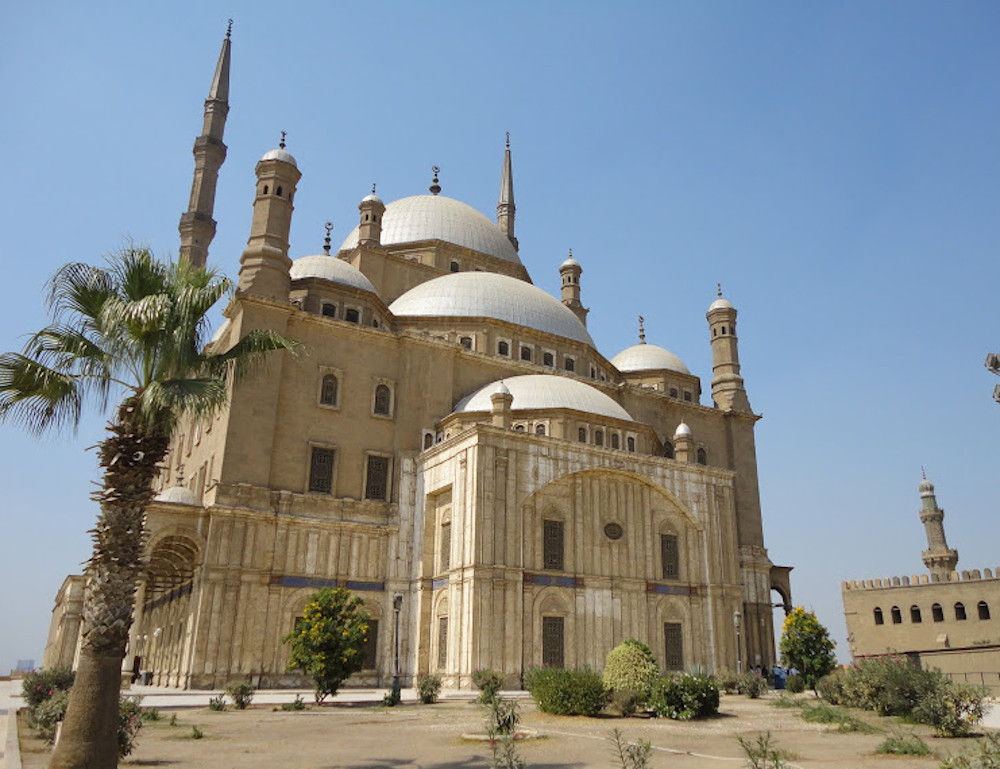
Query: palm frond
(36, 396)
(79, 290)
(164, 403)
(249, 354)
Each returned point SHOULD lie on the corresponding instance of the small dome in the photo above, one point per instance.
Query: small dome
(371, 197)
(534, 392)
(502, 389)
(571, 262)
(177, 495)
(491, 295)
(682, 431)
(332, 269)
(648, 357)
(436, 217)
(721, 304)
(926, 488)
(280, 154)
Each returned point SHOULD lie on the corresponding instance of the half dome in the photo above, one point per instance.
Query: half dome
(491, 295)
(332, 269)
(177, 495)
(648, 357)
(435, 217)
(535, 392)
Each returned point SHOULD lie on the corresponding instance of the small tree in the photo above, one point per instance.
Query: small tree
(806, 646)
(328, 641)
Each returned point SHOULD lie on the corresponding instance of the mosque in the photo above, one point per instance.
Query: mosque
(451, 446)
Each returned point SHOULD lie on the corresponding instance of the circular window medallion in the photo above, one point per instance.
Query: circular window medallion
(613, 531)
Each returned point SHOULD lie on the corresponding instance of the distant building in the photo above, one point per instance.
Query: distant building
(943, 619)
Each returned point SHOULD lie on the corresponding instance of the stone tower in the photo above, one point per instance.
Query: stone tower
(505, 203)
(197, 227)
(264, 265)
(570, 271)
(371, 209)
(727, 384)
(939, 559)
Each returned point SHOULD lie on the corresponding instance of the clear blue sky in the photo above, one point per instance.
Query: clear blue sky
(835, 165)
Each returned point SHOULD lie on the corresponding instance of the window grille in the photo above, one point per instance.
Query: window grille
(615, 441)
(503, 348)
(383, 400)
(552, 536)
(321, 470)
(445, 546)
(548, 359)
(670, 556)
(442, 643)
(553, 642)
(377, 482)
(369, 652)
(526, 354)
(598, 437)
(673, 640)
(581, 435)
(328, 393)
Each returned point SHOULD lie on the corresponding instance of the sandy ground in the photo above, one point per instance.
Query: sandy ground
(359, 736)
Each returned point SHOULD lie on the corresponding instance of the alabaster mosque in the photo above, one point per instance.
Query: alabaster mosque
(451, 446)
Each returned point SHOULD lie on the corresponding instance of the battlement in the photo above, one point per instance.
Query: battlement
(881, 583)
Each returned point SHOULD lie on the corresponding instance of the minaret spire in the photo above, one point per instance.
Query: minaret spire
(939, 559)
(505, 204)
(197, 227)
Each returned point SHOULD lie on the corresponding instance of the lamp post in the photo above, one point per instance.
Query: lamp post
(737, 620)
(993, 364)
(397, 604)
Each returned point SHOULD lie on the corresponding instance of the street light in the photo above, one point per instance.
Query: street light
(737, 619)
(397, 604)
(993, 364)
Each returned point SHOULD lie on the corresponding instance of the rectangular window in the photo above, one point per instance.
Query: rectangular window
(674, 645)
(445, 546)
(670, 557)
(552, 545)
(442, 643)
(371, 646)
(321, 471)
(553, 629)
(377, 479)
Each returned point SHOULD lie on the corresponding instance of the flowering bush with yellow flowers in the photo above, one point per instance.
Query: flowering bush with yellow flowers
(328, 642)
(806, 646)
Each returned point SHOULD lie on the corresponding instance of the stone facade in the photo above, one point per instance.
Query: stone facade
(450, 441)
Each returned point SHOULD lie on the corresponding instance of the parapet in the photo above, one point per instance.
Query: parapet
(881, 583)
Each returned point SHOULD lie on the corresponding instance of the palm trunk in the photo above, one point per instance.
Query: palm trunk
(129, 456)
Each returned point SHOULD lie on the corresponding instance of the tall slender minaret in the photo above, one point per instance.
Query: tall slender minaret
(505, 204)
(197, 227)
(727, 384)
(939, 559)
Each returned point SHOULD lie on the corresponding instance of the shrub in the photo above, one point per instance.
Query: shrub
(565, 692)
(488, 682)
(684, 697)
(217, 703)
(984, 755)
(752, 685)
(951, 708)
(796, 684)
(39, 685)
(728, 681)
(297, 704)
(630, 755)
(129, 724)
(825, 714)
(760, 753)
(45, 715)
(630, 667)
(150, 714)
(903, 745)
(428, 688)
(503, 717)
(627, 702)
(196, 732)
(241, 692)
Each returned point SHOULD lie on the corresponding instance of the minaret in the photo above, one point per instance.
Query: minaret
(570, 271)
(505, 204)
(370, 226)
(264, 266)
(727, 384)
(197, 227)
(939, 559)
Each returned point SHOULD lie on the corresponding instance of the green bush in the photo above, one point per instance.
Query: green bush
(984, 755)
(684, 697)
(39, 685)
(150, 714)
(827, 714)
(47, 713)
(428, 688)
(503, 717)
(297, 704)
(951, 708)
(627, 702)
(752, 685)
(903, 745)
(129, 724)
(565, 692)
(217, 703)
(489, 683)
(728, 681)
(630, 667)
(241, 692)
(795, 684)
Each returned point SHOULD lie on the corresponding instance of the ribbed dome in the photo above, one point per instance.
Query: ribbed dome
(491, 295)
(435, 217)
(648, 357)
(178, 495)
(332, 269)
(533, 392)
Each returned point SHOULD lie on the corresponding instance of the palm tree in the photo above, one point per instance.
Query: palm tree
(134, 329)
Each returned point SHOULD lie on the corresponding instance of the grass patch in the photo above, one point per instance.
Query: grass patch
(899, 744)
(784, 701)
(845, 722)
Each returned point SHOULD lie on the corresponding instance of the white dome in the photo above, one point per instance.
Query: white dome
(435, 217)
(720, 304)
(571, 262)
(491, 295)
(648, 357)
(533, 392)
(332, 269)
(682, 429)
(178, 495)
(280, 154)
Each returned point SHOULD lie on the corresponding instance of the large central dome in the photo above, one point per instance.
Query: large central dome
(435, 217)
(491, 295)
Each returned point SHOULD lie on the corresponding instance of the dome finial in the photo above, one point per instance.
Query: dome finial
(373, 188)
(229, 29)
(282, 142)
(923, 472)
(508, 139)
(718, 290)
(326, 240)
(642, 330)
(435, 188)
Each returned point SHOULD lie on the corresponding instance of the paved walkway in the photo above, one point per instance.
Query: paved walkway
(10, 701)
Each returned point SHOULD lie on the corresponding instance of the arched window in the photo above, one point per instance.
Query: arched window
(702, 457)
(960, 611)
(879, 619)
(539, 429)
(352, 315)
(519, 428)
(548, 359)
(454, 266)
(581, 435)
(278, 191)
(937, 613)
(526, 354)
(569, 364)
(897, 615)
(615, 441)
(329, 310)
(668, 450)
(503, 348)
(915, 614)
(984, 610)
(673, 392)
(328, 392)
(599, 437)
(265, 189)
(383, 400)
(687, 396)
(630, 443)
(466, 342)
(428, 440)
